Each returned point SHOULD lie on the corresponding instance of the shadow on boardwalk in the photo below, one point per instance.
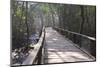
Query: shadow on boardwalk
(59, 49)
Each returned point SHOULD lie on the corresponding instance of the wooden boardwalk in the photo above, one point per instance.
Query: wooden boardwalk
(59, 49)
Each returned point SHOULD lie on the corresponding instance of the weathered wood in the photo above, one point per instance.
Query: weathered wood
(88, 37)
(83, 41)
(36, 54)
(59, 49)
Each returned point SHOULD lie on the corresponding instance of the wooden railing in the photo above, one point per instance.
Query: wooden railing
(87, 43)
(36, 56)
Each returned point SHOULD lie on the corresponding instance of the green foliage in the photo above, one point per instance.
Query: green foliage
(18, 12)
(44, 8)
(60, 15)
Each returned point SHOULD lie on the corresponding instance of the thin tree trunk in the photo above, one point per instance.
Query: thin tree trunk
(53, 22)
(26, 21)
(82, 23)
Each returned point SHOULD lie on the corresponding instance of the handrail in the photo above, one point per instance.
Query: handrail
(87, 46)
(31, 59)
(88, 37)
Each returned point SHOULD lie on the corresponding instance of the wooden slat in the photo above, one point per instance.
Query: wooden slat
(90, 47)
(59, 49)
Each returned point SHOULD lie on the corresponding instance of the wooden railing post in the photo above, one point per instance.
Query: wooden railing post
(93, 48)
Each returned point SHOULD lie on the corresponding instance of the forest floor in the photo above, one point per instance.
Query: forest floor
(59, 49)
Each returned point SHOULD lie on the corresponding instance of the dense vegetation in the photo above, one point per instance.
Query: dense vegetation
(28, 19)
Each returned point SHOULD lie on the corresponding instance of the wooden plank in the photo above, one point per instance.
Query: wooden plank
(59, 49)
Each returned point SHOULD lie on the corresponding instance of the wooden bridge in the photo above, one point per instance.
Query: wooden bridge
(56, 48)
(59, 49)
(58, 43)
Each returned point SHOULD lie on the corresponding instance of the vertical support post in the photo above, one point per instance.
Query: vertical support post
(93, 48)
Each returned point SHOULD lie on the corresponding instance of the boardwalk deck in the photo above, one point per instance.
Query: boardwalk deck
(59, 49)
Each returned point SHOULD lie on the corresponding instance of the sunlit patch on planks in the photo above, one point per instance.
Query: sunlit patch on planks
(59, 49)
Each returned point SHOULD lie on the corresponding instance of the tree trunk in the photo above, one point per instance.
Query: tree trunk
(26, 22)
(53, 22)
(82, 23)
